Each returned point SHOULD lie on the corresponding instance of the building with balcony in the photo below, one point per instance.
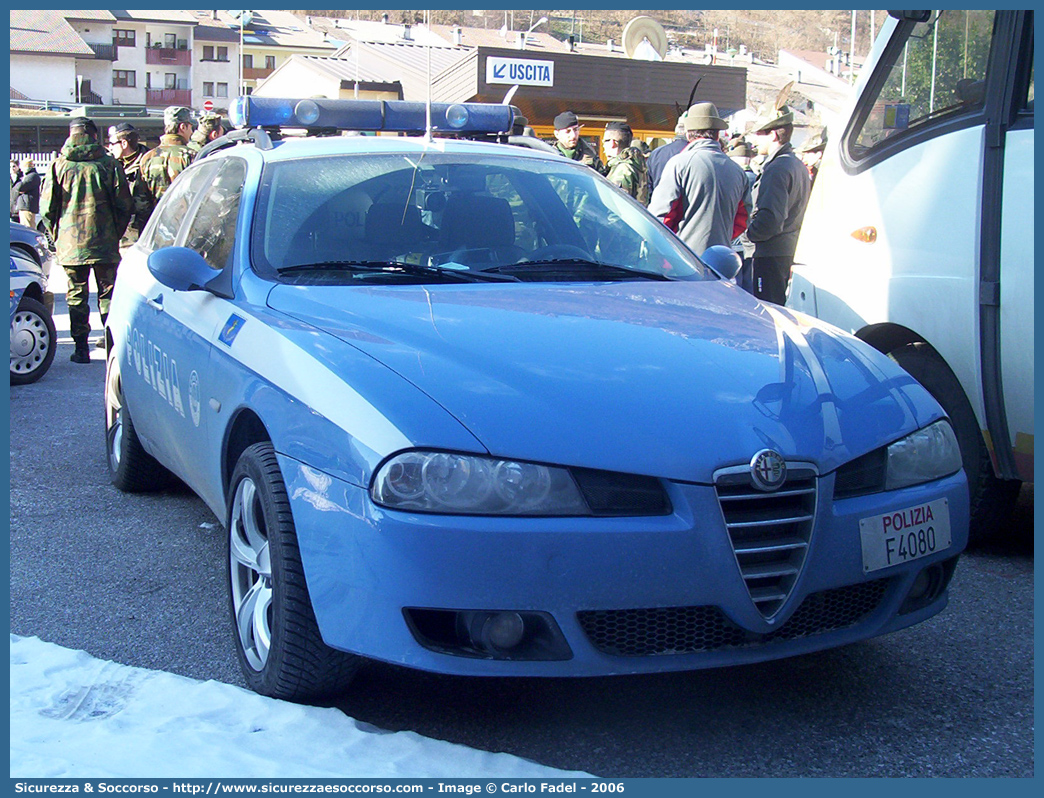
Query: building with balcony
(62, 56)
(154, 58)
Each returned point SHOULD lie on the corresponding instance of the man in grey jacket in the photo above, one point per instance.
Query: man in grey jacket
(779, 198)
(701, 189)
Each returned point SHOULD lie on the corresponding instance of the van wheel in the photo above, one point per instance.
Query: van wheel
(992, 499)
(281, 650)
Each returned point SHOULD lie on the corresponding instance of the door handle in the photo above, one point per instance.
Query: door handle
(157, 303)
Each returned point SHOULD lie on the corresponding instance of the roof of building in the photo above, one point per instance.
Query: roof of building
(215, 26)
(406, 63)
(153, 15)
(537, 41)
(45, 33)
(90, 15)
(344, 69)
(369, 31)
(280, 29)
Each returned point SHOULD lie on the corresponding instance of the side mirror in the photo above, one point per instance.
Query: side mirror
(912, 16)
(180, 268)
(722, 259)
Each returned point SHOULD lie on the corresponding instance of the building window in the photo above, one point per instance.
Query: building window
(123, 77)
(222, 90)
(170, 80)
(269, 62)
(248, 61)
(222, 54)
(170, 40)
(208, 89)
(208, 52)
(123, 38)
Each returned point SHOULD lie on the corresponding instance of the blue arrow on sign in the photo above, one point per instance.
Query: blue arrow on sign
(498, 70)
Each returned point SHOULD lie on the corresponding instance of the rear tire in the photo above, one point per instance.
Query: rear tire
(34, 341)
(131, 468)
(279, 646)
(992, 499)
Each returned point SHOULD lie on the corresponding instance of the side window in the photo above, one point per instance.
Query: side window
(169, 214)
(212, 232)
(938, 71)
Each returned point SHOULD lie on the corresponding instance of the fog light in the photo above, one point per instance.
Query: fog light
(928, 586)
(503, 631)
(921, 585)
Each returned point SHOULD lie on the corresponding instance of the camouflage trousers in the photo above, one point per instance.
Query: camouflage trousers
(79, 292)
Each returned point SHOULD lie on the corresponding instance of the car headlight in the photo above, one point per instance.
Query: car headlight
(447, 482)
(927, 454)
(464, 484)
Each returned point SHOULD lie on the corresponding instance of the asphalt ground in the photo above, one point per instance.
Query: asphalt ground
(139, 579)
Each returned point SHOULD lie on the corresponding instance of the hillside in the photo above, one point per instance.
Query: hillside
(762, 32)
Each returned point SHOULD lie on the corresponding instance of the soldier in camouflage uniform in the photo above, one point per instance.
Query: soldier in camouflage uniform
(569, 143)
(626, 165)
(208, 129)
(161, 165)
(86, 206)
(125, 146)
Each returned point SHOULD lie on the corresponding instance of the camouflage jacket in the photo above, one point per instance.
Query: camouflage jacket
(582, 152)
(628, 170)
(132, 169)
(158, 168)
(86, 203)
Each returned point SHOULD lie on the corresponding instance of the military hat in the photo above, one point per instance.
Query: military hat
(566, 119)
(85, 123)
(176, 113)
(704, 116)
(771, 117)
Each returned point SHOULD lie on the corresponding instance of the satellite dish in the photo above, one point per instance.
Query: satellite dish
(645, 38)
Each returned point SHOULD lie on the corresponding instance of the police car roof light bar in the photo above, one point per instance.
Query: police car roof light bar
(370, 115)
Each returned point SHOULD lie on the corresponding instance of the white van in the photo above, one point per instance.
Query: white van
(918, 236)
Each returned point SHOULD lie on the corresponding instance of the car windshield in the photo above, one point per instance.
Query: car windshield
(437, 217)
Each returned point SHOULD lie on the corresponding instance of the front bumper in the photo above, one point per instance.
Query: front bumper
(608, 583)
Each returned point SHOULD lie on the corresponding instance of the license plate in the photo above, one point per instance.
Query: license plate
(905, 535)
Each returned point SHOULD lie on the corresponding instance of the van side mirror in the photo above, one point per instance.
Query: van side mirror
(911, 16)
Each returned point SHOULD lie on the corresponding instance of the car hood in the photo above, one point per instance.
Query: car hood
(668, 379)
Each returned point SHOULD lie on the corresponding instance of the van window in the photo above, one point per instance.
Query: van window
(936, 72)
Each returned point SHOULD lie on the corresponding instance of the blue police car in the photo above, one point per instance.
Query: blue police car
(467, 407)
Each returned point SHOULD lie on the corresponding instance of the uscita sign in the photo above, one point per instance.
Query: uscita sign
(523, 71)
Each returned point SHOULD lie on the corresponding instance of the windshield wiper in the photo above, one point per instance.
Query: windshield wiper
(399, 267)
(570, 267)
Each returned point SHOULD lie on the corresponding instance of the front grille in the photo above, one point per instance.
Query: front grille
(769, 531)
(687, 630)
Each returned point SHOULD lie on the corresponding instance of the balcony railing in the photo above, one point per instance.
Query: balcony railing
(256, 73)
(168, 97)
(167, 56)
(104, 52)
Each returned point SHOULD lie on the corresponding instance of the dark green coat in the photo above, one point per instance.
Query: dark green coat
(86, 204)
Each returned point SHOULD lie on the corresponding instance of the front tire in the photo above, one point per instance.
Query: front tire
(279, 646)
(131, 468)
(33, 341)
(992, 499)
